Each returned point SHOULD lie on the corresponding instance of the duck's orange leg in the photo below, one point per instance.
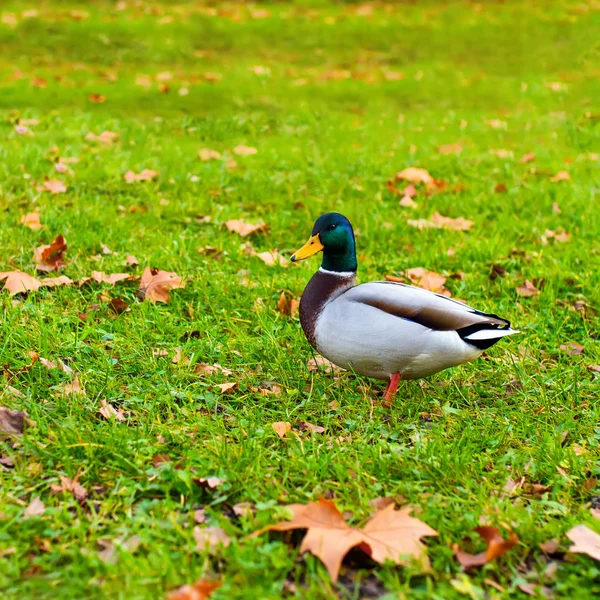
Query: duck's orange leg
(390, 390)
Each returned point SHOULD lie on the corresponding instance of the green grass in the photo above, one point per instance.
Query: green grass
(450, 443)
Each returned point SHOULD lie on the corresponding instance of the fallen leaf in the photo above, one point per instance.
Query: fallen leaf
(107, 553)
(132, 261)
(449, 149)
(320, 363)
(72, 388)
(54, 186)
(111, 278)
(244, 228)
(242, 150)
(108, 411)
(500, 188)
(585, 541)
(244, 509)
(212, 77)
(438, 221)
(205, 369)
(97, 98)
(281, 428)
(594, 368)
(31, 220)
(497, 546)
(227, 388)
(208, 154)
(36, 508)
(550, 547)
(201, 590)
(200, 516)
(502, 153)
(559, 236)
(210, 483)
(527, 290)
(17, 282)
(415, 175)
(106, 137)
(572, 348)
(155, 284)
(389, 535)
(428, 280)
(11, 421)
(530, 156)
(60, 365)
(71, 486)
(50, 258)
(118, 305)
(304, 426)
(407, 202)
(496, 123)
(145, 175)
(381, 503)
(560, 176)
(53, 282)
(210, 538)
(287, 306)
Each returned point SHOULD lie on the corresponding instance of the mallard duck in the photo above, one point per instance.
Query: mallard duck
(385, 330)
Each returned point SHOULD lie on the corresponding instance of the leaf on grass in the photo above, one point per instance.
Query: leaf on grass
(528, 157)
(31, 220)
(132, 261)
(594, 368)
(550, 547)
(281, 428)
(304, 426)
(585, 541)
(205, 369)
(108, 411)
(118, 305)
(97, 98)
(60, 365)
(320, 363)
(438, 221)
(155, 284)
(200, 516)
(208, 154)
(72, 388)
(389, 535)
(11, 421)
(210, 539)
(54, 186)
(450, 149)
(269, 257)
(145, 175)
(428, 280)
(50, 257)
(244, 229)
(110, 278)
(415, 175)
(36, 508)
(497, 546)
(17, 282)
(572, 348)
(527, 290)
(561, 176)
(227, 388)
(201, 590)
(106, 137)
(407, 202)
(288, 306)
(242, 150)
(209, 483)
(53, 282)
(71, 486)
(244, 509)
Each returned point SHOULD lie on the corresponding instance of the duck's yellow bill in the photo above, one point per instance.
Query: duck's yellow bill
(311, 247)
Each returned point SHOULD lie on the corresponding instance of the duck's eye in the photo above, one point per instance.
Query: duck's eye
(332, 227)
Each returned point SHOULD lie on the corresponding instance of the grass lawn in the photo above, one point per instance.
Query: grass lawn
(336, 98)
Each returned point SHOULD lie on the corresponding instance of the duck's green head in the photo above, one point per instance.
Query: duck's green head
(333, 234)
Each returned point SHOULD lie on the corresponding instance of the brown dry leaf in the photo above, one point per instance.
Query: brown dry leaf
(320, 363)
(106, 137)
(11, 421)
(108, 411)
(496, 547)
(227, 388)
(572, 348)
(200, 516)
(381, 503)
(585, 541)
(530, 156)
(244, 228)
(36, 508)
(594, 368)
(496, 123)
(389, 535)
(132, 261)
(19, 283)
(209, 483)
(72, 388)
(118, 305)
(60, 365)
(201, 590)
(97, 98)
(155, 284)
(304, 426)
(550, 547)
(70, 485)
(145, 175)
(53, 282)
(205, 369)
(407, 202)
(438, 221)
(428, 280)
(281, 428)
(500, 188)
(449, 149)
(210, 538)
(559, 236)
(288, 306)
(527, 290)
(208, 154)
(415, 175)
(242, 150)
(54, 186)
(560, 176)
(31, 220)
(244, 509)
(111, 278)
(50, 258)
(272, 258)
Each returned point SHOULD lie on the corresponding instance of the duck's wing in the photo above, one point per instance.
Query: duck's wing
(432, 311)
